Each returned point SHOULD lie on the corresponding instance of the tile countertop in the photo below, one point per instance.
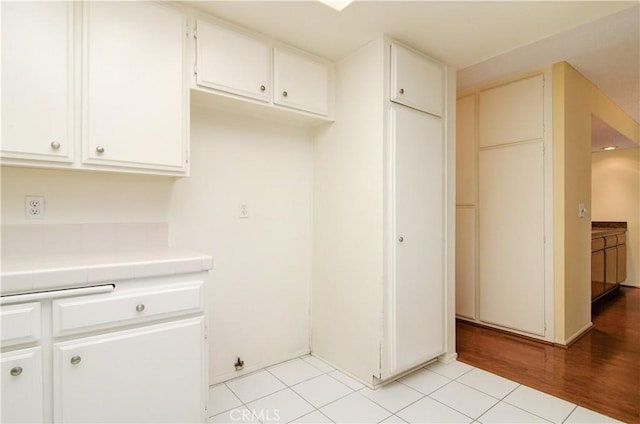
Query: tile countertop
(46, 272)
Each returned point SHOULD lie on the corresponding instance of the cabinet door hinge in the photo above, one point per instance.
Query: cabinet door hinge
(195, 70)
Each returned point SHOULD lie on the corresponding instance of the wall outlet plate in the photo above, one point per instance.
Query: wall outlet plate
(34, 207)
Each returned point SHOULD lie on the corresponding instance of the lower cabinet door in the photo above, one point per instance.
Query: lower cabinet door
(22, 386)
(150, 374)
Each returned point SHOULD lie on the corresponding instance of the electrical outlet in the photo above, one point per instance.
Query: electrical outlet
(34, 207)
(243, 211)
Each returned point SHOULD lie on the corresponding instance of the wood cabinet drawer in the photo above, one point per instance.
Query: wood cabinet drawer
(597, 244)
(20, 324)
(611, 241)
(622, 238)
(116, 309)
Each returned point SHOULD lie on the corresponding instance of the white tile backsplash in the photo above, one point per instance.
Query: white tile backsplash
(63, 239)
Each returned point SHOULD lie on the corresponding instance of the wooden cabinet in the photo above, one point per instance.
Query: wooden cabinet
(608, 260)
(300, 82)
(151, 374)
(233, 61)
(135, 101)
(37, 81)
(22, 386)
(597, 273)
(416, 80)
(261, 75)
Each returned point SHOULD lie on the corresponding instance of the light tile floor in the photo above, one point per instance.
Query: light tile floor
(308, 390)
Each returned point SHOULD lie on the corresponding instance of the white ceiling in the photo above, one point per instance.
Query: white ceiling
(481, 39)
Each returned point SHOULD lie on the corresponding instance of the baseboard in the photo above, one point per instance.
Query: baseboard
(575, 337)
(447, 358)
(257, 367)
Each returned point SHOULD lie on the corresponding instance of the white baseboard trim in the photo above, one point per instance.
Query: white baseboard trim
(221, 378)
(447, 358)
(578, 334)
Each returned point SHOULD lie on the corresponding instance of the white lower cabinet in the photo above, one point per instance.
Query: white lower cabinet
(151, 374)
(133, 352)
(22, 386)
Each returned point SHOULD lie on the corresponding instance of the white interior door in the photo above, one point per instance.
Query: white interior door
(511, 237)
(417, 146)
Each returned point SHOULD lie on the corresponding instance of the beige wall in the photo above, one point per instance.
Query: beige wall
(615, 188)
(73, 197)
(260, 284)
(575, 99)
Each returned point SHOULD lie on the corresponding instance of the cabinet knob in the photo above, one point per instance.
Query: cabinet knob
(100, 149)
(285, 94)
(55, 145)
(263, 88)
(140, 307)
(16, 371)
(75, 360)
(401, 239)
(402, 91)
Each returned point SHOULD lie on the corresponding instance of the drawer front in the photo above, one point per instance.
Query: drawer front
(103, 311)
(622, 238)
(597, 244)
(611, 241)
(20, 324)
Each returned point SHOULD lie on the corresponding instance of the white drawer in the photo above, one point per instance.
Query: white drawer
(116, 309)
(20, 324)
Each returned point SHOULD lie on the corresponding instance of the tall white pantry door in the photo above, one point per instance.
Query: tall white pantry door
(418, 242)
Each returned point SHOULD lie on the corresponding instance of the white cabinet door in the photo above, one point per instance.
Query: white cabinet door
(150, 374)
(418, 286)
(300, 82)
(22, 399)
(135, 101)
(416, 81)
(232, 61)
(37, 89)
(512, 112)
(466, 262)
(511, 237)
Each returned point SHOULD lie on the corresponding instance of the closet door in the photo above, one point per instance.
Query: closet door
(417, 286)
(511, 237)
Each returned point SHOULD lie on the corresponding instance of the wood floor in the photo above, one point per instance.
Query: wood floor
(601, 371)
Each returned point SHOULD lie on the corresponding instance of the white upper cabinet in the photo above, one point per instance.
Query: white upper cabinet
(416, 81)
(512, 112)
(301, 82)
(37, 85)
(232, 61)
(245, 72)
(135, 99)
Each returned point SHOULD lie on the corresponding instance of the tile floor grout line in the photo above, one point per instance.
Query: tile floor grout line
(572, 411)
(530, 412)
(453, 409)
(392, 413)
